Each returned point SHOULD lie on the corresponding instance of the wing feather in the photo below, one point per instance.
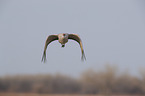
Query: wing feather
(77, 38)
(47, 42)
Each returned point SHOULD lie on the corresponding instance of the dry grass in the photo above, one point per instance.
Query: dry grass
(34, 94)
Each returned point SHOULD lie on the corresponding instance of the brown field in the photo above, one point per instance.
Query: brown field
(34, 94)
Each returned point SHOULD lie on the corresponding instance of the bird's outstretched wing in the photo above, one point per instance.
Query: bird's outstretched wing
(77, 38)
(49, 40)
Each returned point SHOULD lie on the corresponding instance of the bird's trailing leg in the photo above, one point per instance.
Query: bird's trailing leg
(63, 45)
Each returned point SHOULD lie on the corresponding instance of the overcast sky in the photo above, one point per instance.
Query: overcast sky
(112, 31)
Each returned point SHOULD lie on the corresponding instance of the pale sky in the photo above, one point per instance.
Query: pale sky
(112, 31)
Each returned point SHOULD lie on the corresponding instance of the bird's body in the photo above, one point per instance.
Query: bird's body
(63, 38)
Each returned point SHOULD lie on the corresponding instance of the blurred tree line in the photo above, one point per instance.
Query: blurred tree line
(108, 81)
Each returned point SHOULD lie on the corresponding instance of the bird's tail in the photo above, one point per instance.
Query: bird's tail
(44, 57)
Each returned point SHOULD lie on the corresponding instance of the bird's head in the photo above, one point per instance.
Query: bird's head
(64, 34)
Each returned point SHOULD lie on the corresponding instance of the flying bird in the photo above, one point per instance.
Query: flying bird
(63, 38)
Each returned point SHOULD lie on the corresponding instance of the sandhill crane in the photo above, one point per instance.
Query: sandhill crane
(63, 38)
